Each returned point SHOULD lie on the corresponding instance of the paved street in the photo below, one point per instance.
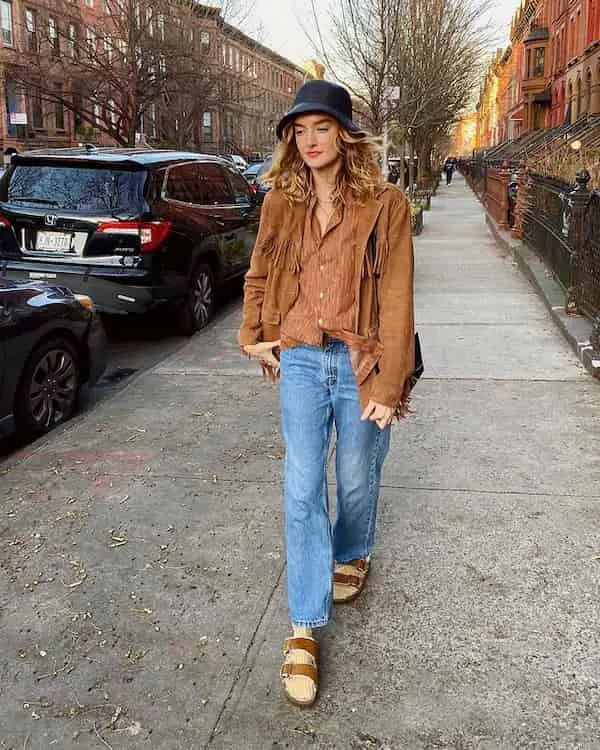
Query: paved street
(134, 345)
(142, 585)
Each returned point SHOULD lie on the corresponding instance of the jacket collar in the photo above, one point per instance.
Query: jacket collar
(363, 215)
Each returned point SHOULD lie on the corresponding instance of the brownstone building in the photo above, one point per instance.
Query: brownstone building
(256, 87)
(252, 86)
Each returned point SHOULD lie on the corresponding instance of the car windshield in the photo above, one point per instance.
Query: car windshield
(93, 190)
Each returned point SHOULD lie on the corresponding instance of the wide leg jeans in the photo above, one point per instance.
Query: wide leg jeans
(318, 393)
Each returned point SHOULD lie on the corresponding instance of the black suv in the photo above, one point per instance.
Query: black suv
(131, 228)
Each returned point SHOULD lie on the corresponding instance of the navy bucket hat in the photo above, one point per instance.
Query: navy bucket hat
(321, 96)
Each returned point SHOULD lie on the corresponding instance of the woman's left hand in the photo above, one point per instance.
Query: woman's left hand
(378, 413)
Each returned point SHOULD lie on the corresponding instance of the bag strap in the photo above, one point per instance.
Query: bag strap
(372, 250)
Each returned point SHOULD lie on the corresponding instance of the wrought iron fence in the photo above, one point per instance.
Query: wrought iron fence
(588, 260)
(546, 225)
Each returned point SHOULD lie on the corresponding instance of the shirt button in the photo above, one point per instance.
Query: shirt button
(322, 268)
(320, 321)
(322, 295)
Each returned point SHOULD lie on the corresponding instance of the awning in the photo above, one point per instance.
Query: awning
(544, 98)
(519, 114)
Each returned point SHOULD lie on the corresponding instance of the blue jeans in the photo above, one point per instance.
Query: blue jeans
(318, 391)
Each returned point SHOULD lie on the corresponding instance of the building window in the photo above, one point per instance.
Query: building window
(539, 62)
(207, 127)
(111, 112)
(31, 30)
(205, 39)
(59, 110)
(37, 112)
(108, 49)
(6, 16)
(72, 41)
(53, 37)
(90, 38)
(97, 113)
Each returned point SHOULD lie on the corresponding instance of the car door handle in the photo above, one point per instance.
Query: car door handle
(230, 236)
(217, 219)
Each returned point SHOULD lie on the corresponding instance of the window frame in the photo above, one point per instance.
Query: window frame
(7, 33)
(53, 35)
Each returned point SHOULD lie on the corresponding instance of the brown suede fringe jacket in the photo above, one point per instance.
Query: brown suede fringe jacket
(382, 349)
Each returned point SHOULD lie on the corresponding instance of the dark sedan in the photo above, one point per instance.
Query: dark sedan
(51, 343)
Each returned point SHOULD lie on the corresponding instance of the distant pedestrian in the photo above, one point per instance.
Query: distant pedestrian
(328, 304)
(449, 169)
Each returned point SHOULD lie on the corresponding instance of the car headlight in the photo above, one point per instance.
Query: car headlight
(86, 302)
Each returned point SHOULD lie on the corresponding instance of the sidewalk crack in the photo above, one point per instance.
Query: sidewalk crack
(215, 729)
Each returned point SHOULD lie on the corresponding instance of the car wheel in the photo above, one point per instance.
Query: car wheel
(199, 305)
(49, 389)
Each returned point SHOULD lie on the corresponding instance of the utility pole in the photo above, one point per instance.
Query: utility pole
(390, 93)
(386, 57)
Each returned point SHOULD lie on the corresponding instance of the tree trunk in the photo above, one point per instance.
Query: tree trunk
(411, 166)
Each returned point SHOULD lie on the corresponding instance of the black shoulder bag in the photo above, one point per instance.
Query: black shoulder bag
(419, 367)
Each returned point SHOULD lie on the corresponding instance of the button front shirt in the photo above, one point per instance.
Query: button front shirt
(326, 296)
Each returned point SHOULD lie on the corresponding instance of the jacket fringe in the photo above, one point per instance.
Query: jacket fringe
(404, 408)
(382, 251)
(283, 253)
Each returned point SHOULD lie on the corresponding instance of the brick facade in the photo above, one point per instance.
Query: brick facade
(253, 85)
(547, 76)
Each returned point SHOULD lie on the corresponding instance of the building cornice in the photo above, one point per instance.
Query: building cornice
(233, 33)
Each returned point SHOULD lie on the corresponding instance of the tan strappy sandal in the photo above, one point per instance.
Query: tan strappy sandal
(300, 671)
(349, 579)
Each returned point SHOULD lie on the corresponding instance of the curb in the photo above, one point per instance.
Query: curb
(575, 328)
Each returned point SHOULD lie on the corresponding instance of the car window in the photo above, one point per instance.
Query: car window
(183, 183)
(215, 185)
(241, 191)
(265, 167)
(77, 188)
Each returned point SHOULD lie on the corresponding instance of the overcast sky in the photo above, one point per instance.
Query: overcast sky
(281, 30)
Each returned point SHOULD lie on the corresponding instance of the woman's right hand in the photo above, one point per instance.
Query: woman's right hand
(263, 351)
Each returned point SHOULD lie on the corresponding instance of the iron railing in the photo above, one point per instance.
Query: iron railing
(546, 225)
(587, 266)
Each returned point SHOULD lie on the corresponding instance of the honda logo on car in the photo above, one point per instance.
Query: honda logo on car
(50, 220)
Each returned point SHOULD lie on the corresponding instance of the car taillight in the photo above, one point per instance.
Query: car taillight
(253, 187)
(151, 233)
(5, 223)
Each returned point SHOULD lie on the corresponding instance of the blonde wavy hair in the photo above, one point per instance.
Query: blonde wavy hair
(360, 176)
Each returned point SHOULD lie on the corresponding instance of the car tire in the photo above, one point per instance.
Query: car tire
(48, 392)
(199, 305)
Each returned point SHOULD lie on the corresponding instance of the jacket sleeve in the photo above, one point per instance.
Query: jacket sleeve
(396, 310)
(254, 284)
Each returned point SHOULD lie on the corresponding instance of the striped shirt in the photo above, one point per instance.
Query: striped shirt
(326, 301)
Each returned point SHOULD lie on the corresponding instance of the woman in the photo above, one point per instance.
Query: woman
(328, 305)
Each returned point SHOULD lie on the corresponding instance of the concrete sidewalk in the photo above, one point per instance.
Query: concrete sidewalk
(142, 571)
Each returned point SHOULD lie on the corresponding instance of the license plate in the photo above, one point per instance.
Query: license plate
(53, 241)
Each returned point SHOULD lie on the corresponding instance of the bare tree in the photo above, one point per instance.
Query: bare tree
(357, 49)
(134, 57)
(427, 52)
(436, 66)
